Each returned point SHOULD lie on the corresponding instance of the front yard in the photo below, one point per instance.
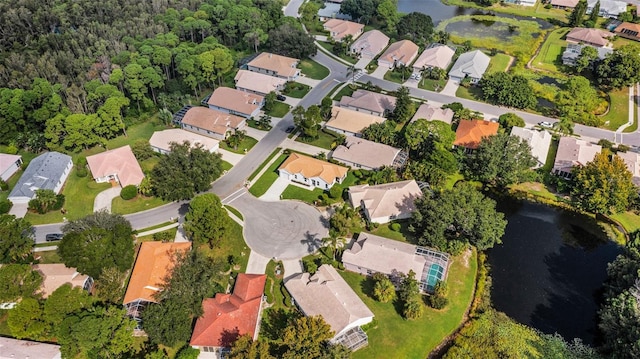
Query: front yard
(279, 109)
(262, 184)
(618, 113)
(245, 145)
(296, 90)
(327, 139)
(313, 70)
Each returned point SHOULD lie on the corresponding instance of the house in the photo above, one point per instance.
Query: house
(437, 56)
(399, 53)
(258, 83)
(564, 4)
(332, 11)
(235, 102)
(154, 263)
(370, 44)
(573, 152)
(275, 65)
(386, 202)
(338, 29)
(470, 65)
(433, 113)
(161, 141)
(357, 152)
(628, 30)
(208, 122)
(25, 349)
(471, 132)
(593, 37)
(369, 102)
(229, 316)
(119, 165)
(9, 164)
(632, 160)
(350, 122)
(311, 172)
(57, 274)
(325, 293)
(573, 51)
(539, 141)
(610, 9)
(371, 254)
(521, 2)
(47, 171)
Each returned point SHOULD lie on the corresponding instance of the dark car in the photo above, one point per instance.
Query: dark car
(281, 97)
(53, 237)
(289, 129)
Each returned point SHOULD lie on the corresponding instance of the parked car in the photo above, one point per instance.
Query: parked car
(545, 124)
(53, 237)
(281, 97)
(289, 129)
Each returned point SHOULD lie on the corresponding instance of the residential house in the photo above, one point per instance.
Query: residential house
(628, 30)
(433, 113)
(386, 202)
(311, 172)
(57, 274)
(564, 4)
(258, 83)
(521, 2)
(632, 160)
(229, 316)
(437, 56)
(573, 152)
(154, 263)
(235, 102)
(325, 293)
(161, 141)
(118, 165)
(47, 171)
(371, 254)
(471, 132)
(592, 37)
(275, 65)
(398, 54)
(357, 152)
(369, 102)
(539, 141)
(338, 29)
(573, 51)
(332, 11)
(610, 9)
(211, 123)
(370, 44)
(470, 65)
(9, 164)
(25, 349)
(350, 122)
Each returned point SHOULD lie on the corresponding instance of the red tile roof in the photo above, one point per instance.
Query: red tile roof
(471, 132)
(228, 316)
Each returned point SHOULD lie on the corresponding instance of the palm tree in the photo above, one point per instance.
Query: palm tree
(334, 242)
(564, 126)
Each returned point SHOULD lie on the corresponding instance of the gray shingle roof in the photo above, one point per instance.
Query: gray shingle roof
(43, 172)
(472, 64)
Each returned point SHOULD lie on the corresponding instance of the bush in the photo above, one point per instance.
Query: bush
(5, 206)
(81, 172)
(310, 266)
(3, 185)
(188, 353)
(129, 192)
(59, 201)
(335, 192)
(142, 150)
(437, 302)
(548, 6)
(163, 236)
(395, 227)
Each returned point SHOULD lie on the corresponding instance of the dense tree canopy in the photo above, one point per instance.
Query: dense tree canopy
(308, 121)
(577, 101)
(362, 10)
(404, 106)
(509, 120)
(416, 25)
(16, 239)
(207, 221)
(621, 68)
(18, 281)
(504, 89)
(292, 41)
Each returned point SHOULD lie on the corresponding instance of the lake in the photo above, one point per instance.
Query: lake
(548, 273)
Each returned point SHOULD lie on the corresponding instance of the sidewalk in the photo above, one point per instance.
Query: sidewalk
(307, 81)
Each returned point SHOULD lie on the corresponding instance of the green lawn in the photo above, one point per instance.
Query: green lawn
(345, 91)
(498, 63)
(313, 70)
(396, 77)
(432, 85)
(469, 93)
(234, 211)
(255, 124)
(47, 257)
(296, 90)
(79, 193)
(618, 113)
(329, 47)
(550, 56)
(629, 220)
(135, 132)
(384, 230)
(232, 243)
(327, 139)
(310, 196)
(395, 337)
(138, 204)
(255, 173)
(245, 146)
(171, 234)
(265, 181)
(274, 289)
(279, 109)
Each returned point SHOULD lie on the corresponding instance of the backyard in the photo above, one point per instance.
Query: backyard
(313, 70)
(550, 55)
(499, 63)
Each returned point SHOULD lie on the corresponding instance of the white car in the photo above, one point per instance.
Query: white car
(545, 124)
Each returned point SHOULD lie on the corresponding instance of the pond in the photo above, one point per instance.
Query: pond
(548, 273)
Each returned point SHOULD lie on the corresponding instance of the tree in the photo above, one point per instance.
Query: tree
(291, 41)
(364, 10)
(98, 241)
(306, 337)
(501, 160)
(387, 12)
(409, 294)
(16, 239)
(404, 106)
(185, 171)
(509, 90)
(424, 136)
(588, 56)
(65, 301)
(593, 17)
(142, 150)
(44, 201)
(383, 290)
(18, 281)
(416, 25)
(110, 286)
(577, 101)
(27, 320)
(603, 185)
(245, 348)
(307, 120)
(269, 101)
(384, 132)
(453, 218)
(576, 18)
(509, 120)
(334, 242)
(343, 219)
(462, 113)
(621, 68)
(207, 221)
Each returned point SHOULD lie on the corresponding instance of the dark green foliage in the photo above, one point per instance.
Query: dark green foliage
(5, 206)
(142, 150)
(577, 101)
(504, 89)
(269, 101)
(291, 41)
(383, 290)
(416, 25)
(45, 201)
(404, 106)
(438, 300)
(462, 113)
(207, 221)
(576, 18)
(82, 172)
(129, 192)
(335, 192)
(310, 266)
(17, 239)
(27, 320)
(246, 348)
(621, 68)
(343, 219)
(510, 120)
(4, 186)
(308, 121)
(18, 281)
(188, 353)
(381, 132)
(363, 10)
(65, 301)
(110, 286)
(409, 295)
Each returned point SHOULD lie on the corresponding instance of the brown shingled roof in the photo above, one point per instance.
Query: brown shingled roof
(235, 100)
(212, 120)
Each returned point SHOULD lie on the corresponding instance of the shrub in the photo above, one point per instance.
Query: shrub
(310, 266)
(548, 6)
(142, 150)
(81, 172)
(129, 192)
(335, 192)
(163, 236)
(437, 302)
(59, 201)
(11, 149)
(395, 227)
(5, 206)
(3, 185)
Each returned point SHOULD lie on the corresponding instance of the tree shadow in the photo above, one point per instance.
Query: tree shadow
(228, 337)
(312, 241)
(274, 321)
(367, 286)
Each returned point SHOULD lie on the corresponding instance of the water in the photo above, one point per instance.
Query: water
(548, 273)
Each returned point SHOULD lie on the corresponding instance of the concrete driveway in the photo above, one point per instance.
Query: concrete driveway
(450, 88)
(379, 72)
(283, 229)
(103, 199)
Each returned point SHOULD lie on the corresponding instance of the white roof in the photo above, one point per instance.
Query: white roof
(163, 139)
(539, 141)
(7, 161)
(437, 56)
(385, 200)
(432, 113)
(632, 160)
(25, 349)
(611, 7)
(472, 64)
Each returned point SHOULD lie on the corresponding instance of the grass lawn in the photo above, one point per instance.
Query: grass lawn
(255, 173)
(345, 91)
(310, 196)
(634, 127)
(618, 113)
(255, 124)
(138, 204)
(550, 56)
(226, 166)
(296, 90)
(274, 289)
(313, 70)
(403, 235)
(47, 257)
(148, 164)
(629, 220)
(498, 63)
(135, 132)
(537, 189)
(537, 11)
(432, 85)
(265, 181)
(79, 194)
(469, 93)
(156, 226)
(329, 47)
(171, 234)
(279, 109)
(396, 77)
(231, 244)
(234, 211)
(245, 146)
(326, 139)
(395, 337)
